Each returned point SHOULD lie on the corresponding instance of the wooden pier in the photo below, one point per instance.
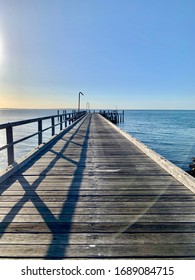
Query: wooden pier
(92, 193)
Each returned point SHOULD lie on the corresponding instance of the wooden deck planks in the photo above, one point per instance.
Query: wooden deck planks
(95, 194)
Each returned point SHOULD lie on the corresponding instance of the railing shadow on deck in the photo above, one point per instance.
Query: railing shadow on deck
(59, 229)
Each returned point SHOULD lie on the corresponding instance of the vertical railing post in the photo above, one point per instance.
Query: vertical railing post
(66, 120)
(40, 133)
(61, 122)
(74, 116)
(10, 148)
(64, 112)
(52, 126)
(66, 124)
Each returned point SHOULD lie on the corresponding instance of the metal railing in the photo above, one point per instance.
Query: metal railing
(64, 119)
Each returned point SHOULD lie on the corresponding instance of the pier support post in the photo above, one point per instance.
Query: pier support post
(53, 126)
(40, 134)
(61, 122)
(10, 148)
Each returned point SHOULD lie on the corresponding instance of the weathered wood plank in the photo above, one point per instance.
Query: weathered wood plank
(93, 192)
(141, 177)
(100, 211)
(159, 206)
(100, 198)
(95, 251)
(100, 238)
(62, 227)
(64, 186)
(143, 217)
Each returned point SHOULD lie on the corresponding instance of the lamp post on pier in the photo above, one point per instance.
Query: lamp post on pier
(79, 101)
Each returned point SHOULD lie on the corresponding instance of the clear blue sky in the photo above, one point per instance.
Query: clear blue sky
(127, 53)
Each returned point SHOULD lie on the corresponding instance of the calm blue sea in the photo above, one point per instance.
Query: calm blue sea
(170, 133)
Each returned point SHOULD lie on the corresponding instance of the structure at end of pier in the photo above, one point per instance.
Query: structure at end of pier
(113, 115)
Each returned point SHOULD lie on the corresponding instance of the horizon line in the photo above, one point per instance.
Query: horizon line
(125, 109)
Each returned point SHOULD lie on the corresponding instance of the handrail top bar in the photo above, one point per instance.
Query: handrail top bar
(22, 122)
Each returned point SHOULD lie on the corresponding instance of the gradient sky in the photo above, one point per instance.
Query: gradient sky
(129, 54)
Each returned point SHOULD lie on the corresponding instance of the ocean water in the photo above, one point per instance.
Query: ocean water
(170, 133)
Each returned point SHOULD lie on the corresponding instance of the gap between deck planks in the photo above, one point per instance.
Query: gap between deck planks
(94, 194)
